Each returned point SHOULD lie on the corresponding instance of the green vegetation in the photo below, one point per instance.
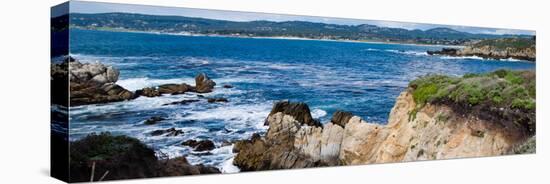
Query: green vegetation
(502, 88)
(507, 43)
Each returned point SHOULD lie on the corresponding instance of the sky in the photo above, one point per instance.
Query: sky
(95, 7)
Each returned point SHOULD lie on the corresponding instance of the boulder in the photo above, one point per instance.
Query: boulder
(203, 83)
(180, 166)
(92, 73)
(202, 145)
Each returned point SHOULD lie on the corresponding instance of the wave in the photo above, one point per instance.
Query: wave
(133, 84)
(318, 113)
(406, 52)
(463, 57)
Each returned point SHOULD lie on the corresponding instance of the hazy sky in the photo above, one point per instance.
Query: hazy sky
(94, 7)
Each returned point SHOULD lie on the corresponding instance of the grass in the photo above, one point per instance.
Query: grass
(501, 88)
(507, 43)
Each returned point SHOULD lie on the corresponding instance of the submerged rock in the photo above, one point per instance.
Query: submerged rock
(203, 83)
(182, 102)
(227, 86)
(213, 100)
(171, 132)
(153, 120)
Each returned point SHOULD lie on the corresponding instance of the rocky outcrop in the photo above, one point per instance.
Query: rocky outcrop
(515, 48)
(436, 131)
(122, 157)
(299, 111)
(92, 83)
(203, 83)
(171, 132)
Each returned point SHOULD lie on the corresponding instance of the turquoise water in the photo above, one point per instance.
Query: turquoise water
(362, 78)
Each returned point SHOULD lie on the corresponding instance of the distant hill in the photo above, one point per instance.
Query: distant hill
(302, 29)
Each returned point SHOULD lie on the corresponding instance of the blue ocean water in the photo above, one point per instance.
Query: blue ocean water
(362, 78)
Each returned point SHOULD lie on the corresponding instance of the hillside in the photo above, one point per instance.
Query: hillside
(503, 48)
(301, 29)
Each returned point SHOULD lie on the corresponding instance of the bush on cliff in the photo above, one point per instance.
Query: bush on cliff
(502, 94)
(501, 88)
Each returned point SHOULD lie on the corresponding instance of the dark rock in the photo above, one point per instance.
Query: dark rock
(180, 166)
(174, 88)
(153, 120)
(202, 145)
(148, 92)
(183, 102)
(300, 111)
(227, 86)
(200, 96)
(203, 83)
(124, 157)
(341, 118)
(212, 100)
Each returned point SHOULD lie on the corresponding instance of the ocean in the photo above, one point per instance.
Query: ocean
(361, 78)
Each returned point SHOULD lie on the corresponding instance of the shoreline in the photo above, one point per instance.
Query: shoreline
(263, 37)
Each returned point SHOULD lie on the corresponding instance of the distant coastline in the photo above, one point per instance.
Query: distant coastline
(260, 37)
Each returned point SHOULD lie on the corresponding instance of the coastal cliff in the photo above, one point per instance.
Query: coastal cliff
(506, 48)
(427, 122)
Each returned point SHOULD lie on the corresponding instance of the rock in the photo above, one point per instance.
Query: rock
(202, 145)
(300, 112)
(174, 88)
(203, 83)
(171, 132)
(89, 93)
(341, 118)
(180, 166)
(444, 51)
(92, 83)
(153, 120)
(227, 86)
(213, 100)
(182, 102)
(148, 92)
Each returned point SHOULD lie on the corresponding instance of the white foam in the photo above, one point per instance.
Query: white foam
(133, 84)
(318, 113)
(237, 116)
(228, 167)
(462, 57)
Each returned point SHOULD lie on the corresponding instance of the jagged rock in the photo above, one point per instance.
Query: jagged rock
(202, 145)
(92, 73)
(300, 112)
(153, 120)
(341, 118)
(182, 102)
(203, 83)
(148, 92)
(213, 100)
(174, 88)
